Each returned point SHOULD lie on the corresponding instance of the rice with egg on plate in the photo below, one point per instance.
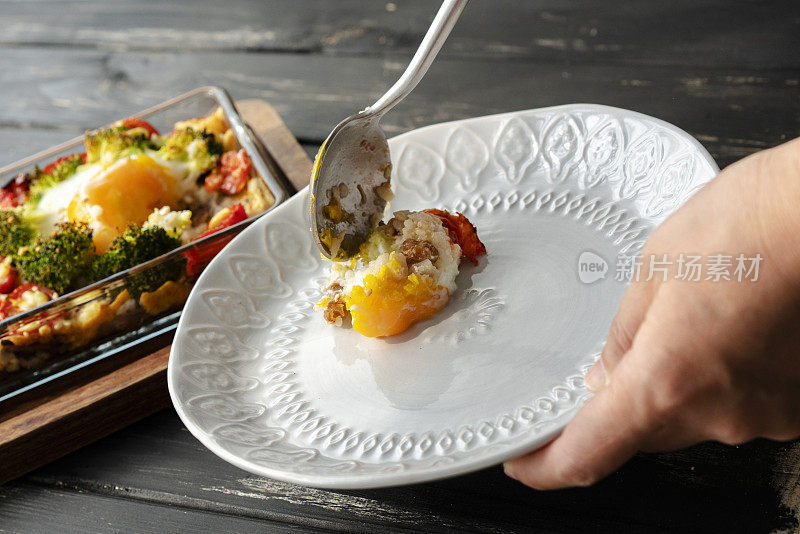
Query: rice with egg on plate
(404, 273)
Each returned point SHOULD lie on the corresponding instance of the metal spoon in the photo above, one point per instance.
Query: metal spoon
(350, 185)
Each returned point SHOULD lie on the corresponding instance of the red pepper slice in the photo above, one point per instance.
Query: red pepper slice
(198, 258)
(231, 173)
(236, 213)
(135, 122)
(462, 232)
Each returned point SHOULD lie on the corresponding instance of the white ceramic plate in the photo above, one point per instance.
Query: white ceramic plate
(261, 380)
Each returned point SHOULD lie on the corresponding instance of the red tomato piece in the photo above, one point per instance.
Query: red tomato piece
(134, 122)
(28, 286)
(213, 181)
(11, 304)
(8, 278)
(198, 258)
(7, 199)
(461, 232)
(16, 192)
(231, 173)
(51, 166)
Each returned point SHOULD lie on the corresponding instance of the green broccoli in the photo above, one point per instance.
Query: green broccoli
(200, 148)
(15, 232)
(116, 142)
(54, 173)
(60, 262)
(137, 245)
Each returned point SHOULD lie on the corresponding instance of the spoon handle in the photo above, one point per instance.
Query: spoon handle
(434, 39)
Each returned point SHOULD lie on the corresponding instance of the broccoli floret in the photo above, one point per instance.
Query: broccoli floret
(137, 245)
(59, 262)
(61, 170)
(200, 148)
(110, 144)
(15, 232)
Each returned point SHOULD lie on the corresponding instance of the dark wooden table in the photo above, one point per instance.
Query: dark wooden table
(726, 72)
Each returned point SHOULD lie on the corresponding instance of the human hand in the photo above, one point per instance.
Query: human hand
(690, 361)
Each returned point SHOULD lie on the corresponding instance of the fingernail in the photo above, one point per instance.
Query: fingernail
(596, 378)
(508, 470)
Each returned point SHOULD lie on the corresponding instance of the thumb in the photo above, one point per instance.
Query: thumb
(626, 322)
(604, 434)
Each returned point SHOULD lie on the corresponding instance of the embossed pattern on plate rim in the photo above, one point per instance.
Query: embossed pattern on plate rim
(397, 474)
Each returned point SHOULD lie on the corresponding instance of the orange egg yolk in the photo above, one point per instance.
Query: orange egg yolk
(388, 303)
(126, 192)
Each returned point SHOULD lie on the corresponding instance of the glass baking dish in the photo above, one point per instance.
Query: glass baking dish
(46, 358)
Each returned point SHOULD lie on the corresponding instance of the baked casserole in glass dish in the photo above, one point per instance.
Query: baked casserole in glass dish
(102, 237)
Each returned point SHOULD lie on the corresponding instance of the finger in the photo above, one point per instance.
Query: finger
(653, 362)
(604, 434)
(626, 322)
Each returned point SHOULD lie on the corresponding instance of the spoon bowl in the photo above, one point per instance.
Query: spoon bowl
(350, 185)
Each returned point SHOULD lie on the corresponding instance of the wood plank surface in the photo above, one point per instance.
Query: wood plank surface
(712, 33)
(17, 142)
(708, 488)
(289, 155)
(63, 511)
(49, 429)
(733, 112)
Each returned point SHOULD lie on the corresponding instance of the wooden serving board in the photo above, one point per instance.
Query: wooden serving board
(83, 406)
